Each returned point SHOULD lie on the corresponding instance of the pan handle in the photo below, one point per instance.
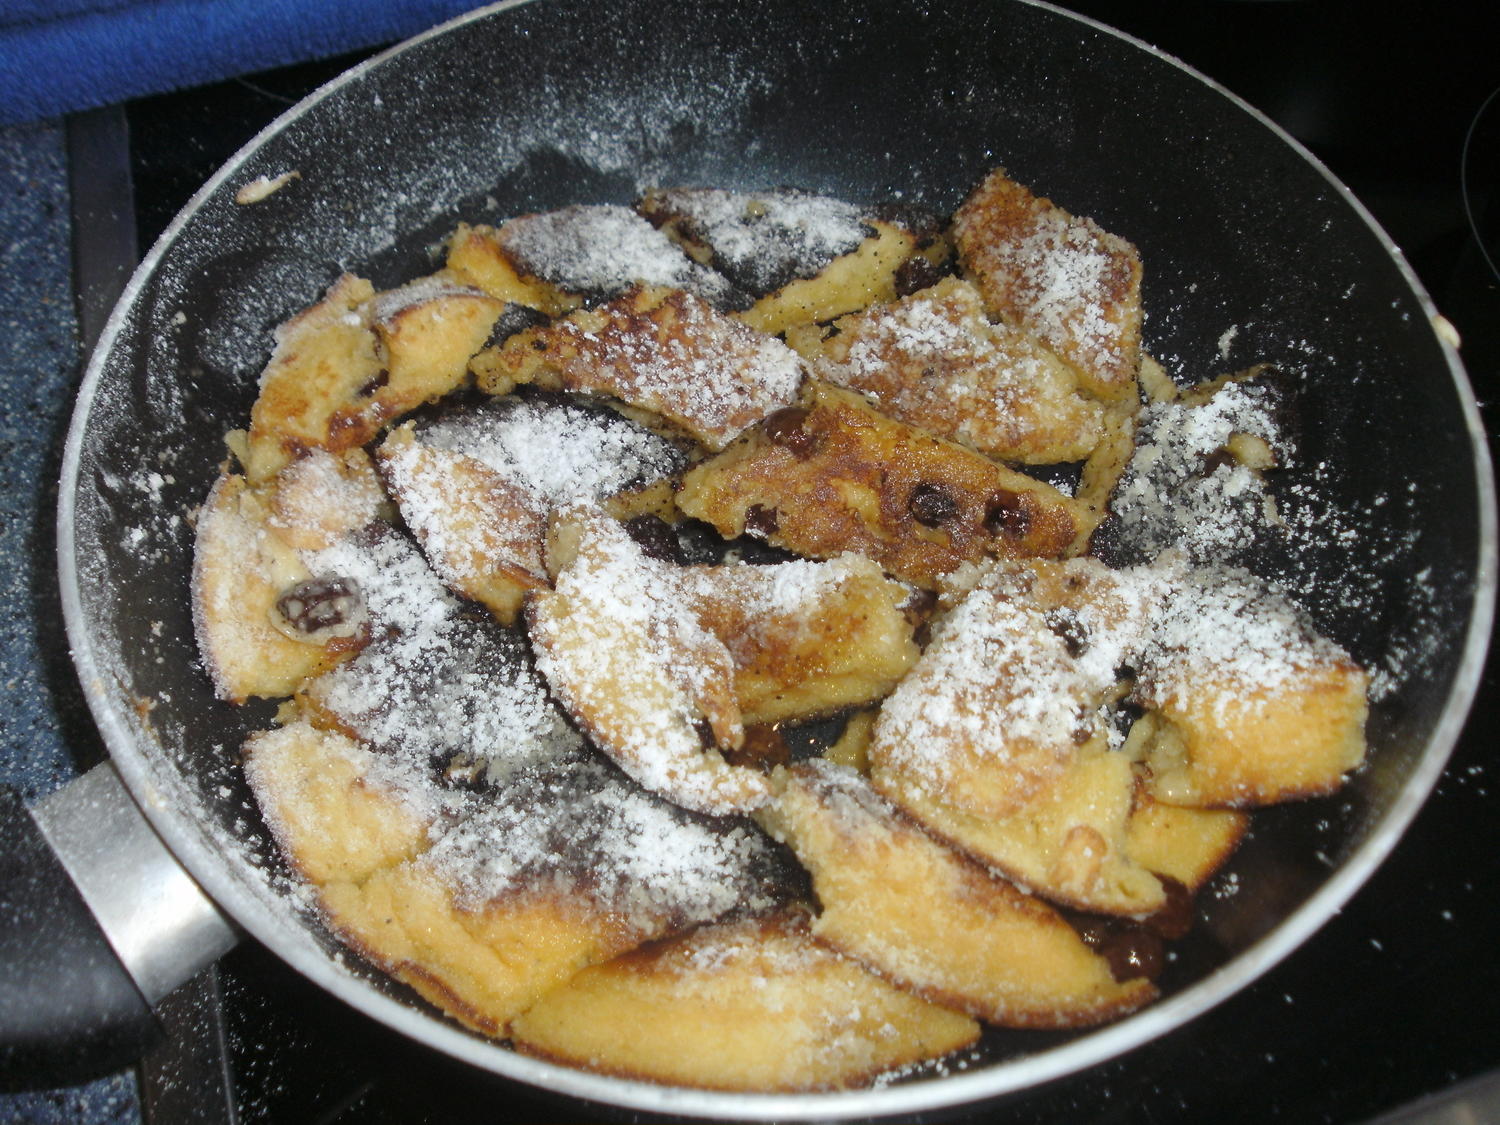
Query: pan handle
(97, 922)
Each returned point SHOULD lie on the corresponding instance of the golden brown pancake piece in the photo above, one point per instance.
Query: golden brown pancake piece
(933, 921)
(751, 1005)
(832, 474)
(933, 360)
(1063, 278)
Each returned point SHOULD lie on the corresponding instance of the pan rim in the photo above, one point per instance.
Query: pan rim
(189, 841)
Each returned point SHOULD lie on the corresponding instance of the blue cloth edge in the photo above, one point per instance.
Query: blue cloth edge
(103, 57)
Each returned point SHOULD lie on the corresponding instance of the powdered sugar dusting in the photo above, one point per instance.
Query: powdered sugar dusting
(1182, 490)
(700, 368)
(768, 596)
(559, 452)
(578, 826)
(772, 953)
(1377, 548)
(461, 695)
(401, 778)
(628, 657)
(765, 239)
(639, 651)
(1006, 678)
(932, 359)
(1065, 267)
(400, 591)
(1221, 631)
(435, 683)
(477, 486)
(1017, 673)
(604, 249)
(1060, 276)
(846, 794)
(392, 302)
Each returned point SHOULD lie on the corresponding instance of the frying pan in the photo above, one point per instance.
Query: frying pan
(1253, 253)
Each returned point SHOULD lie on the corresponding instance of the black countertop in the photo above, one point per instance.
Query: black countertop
(1392, 1000)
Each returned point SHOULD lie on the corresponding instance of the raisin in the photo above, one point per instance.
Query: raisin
(1007, 514)
(931, 505)
(784, 428)
(918, 610)
(919, 605)
(1069, 629)
(656, 538)
(761, 520)
(1215, 461)
(382, 377)
(326, 607)
(764, 748)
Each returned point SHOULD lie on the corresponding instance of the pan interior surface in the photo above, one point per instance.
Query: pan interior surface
(1252, 253)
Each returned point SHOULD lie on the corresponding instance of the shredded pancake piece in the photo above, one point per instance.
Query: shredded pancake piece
(934, 360)
(477, 488)
(1011, 685)
(663, 664)
(761, 240)
(934, 921)
(1064, 278)
(660, 350)
(749, 1005)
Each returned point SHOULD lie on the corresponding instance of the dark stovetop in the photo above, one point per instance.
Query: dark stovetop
(1392, 1000)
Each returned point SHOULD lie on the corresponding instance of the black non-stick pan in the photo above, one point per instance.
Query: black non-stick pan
(1252, 253)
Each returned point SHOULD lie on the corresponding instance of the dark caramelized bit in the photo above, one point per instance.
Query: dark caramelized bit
(918, 273)
(1084, 728)
(784, 428)
(755, 551)
(1006, 514)
(1131, 950)
(515, 318)
(699, 542)
(321, 609)
(1175, 918)
(761, 520)
(918, 609)
(931, 505)
(811, 738)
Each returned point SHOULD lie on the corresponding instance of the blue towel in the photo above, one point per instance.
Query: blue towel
(57, 56)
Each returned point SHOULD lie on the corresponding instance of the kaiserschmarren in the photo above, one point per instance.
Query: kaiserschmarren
(759, 621)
